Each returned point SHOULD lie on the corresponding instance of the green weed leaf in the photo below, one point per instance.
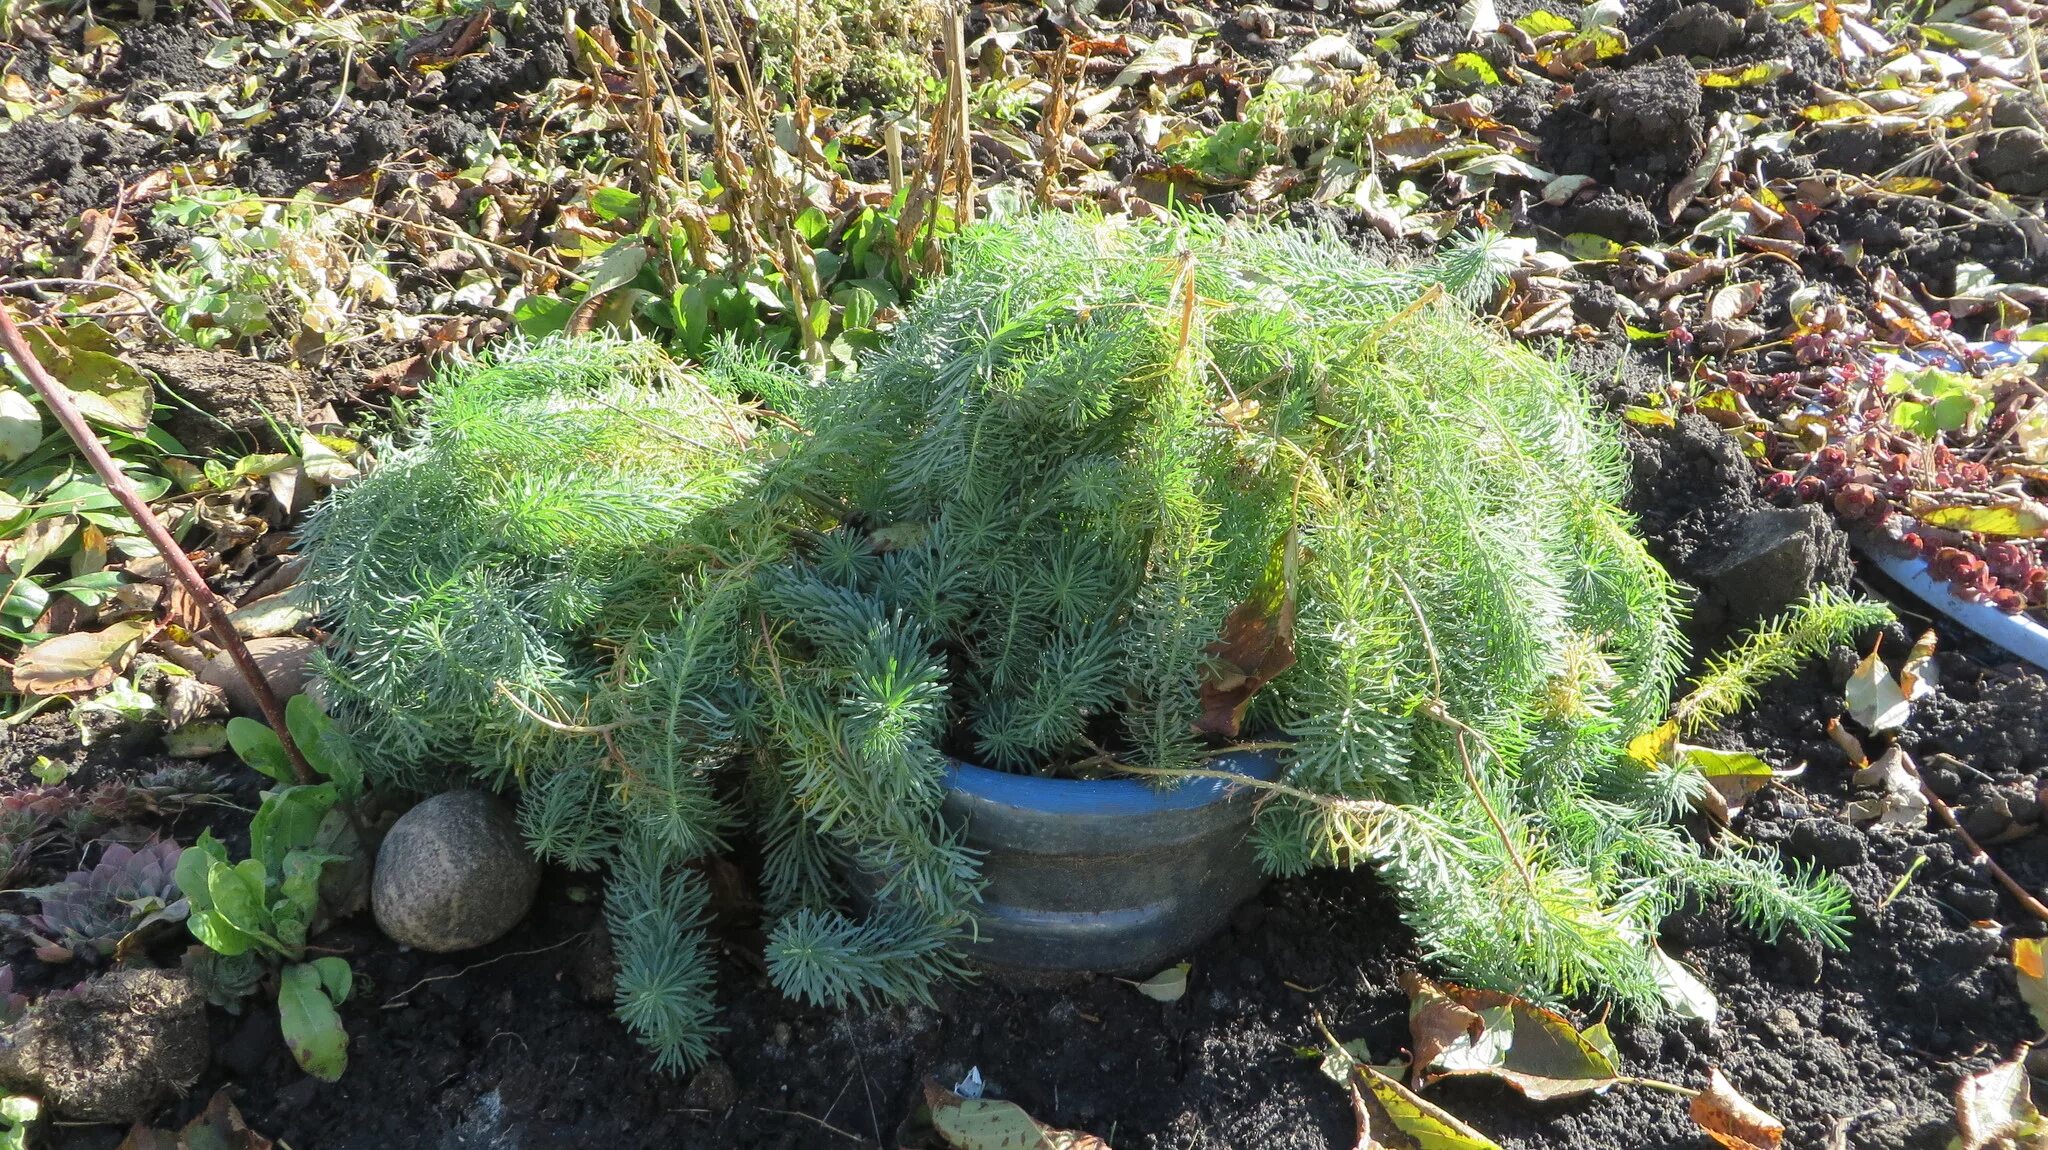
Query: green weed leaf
(312, 1028)
(259, 747)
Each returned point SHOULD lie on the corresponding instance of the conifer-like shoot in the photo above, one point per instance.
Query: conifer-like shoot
(1042, 529)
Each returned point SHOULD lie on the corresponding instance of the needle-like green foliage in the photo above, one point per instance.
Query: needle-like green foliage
(1104, 474)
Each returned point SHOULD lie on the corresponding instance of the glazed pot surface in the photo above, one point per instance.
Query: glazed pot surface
(1113, 875)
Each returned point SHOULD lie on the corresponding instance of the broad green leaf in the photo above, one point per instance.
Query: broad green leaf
(539, 315)
(693, 304)
(237, 890)
(860, 305)
(1950, 412)
(1734, 775)
(259, 747)
(311, 1027)
(26, 600)
(324, 745)
(20, 1108)
(301, 885)
(289, 820)
(812, 225)
(614, 203)
(336, 976)
(614, 267)
(218, 934)
(92, 589)
(105, 388)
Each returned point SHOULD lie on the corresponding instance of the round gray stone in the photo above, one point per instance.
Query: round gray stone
(453, 874)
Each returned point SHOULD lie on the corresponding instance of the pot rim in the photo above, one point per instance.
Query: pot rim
(1107, 796)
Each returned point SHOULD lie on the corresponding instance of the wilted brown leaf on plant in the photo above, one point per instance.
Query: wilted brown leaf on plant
(1257, 644)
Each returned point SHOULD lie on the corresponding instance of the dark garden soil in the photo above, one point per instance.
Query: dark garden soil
(515, 1045)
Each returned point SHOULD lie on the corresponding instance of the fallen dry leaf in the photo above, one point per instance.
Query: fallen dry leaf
(1460, 1031)
(990, 1124)
(1900, 800)
(1731, 1119)
(1920, 677)
(1995, 1109)
(1875, 699)
(2030, 970)
(1168, 985)
(80, 661)
(218, 1127)
(1392, 1117)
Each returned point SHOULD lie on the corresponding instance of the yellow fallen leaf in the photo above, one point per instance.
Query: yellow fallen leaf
(2015, 519)
(2030, 968)
(1653, 748)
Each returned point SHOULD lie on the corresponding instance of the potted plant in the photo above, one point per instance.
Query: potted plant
(1231, 510)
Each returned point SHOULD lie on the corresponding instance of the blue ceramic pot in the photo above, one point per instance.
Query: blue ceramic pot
(1113, 875)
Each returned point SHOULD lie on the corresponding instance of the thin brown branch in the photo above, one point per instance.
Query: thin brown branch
(58, 400)
(1981, 856)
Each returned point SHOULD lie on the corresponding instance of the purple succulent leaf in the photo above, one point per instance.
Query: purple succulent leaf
(93, 910)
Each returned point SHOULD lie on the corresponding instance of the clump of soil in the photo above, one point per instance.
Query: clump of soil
(111, 1050)
(232, 404)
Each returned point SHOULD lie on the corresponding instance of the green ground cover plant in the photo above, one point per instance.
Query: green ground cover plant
(1114, 496)
(306, 865)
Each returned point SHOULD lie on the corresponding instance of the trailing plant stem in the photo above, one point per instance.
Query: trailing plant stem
(1434, 710)
(124, 492)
